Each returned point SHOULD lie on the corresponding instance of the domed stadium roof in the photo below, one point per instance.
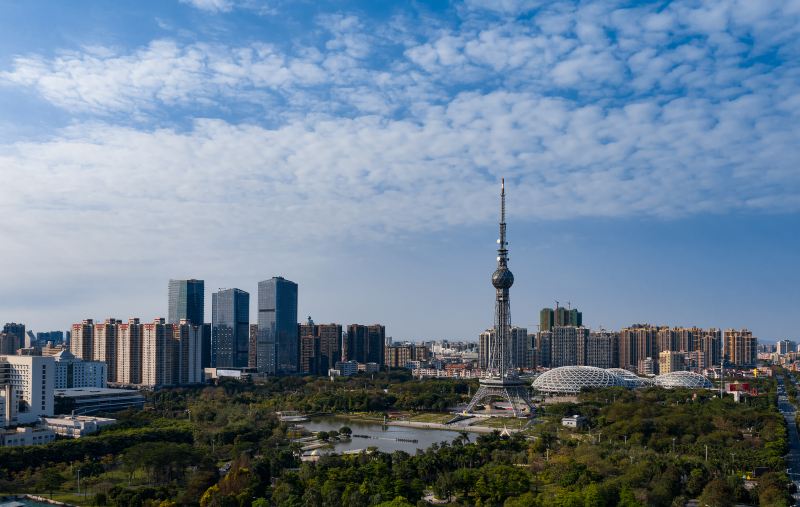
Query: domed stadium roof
(687, 379)
(630, 379)
(571, 379)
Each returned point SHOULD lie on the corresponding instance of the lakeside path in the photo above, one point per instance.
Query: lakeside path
(449, 427)
(429, 425)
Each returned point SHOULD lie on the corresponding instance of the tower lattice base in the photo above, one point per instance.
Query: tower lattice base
(511, 390)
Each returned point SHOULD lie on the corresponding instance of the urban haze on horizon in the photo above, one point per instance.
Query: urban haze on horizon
(357, 150)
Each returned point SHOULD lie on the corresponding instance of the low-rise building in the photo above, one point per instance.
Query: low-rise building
(26, 436)
(573, 421)
(242, 374)
(88, 400)
(76, 426)
(347, 368)
(369, 367)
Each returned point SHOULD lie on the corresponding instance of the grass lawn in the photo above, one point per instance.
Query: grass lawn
(511, 423)
(432, 417)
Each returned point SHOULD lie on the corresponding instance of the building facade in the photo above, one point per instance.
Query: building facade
(9, 343)
(81, 342)
(670, 360)
(252, 347)
(32, 380)
(129, 353)
(17, 330)
(186, 301)
(71, 372)
(568, 346)
(365, 344)
(230, 328)
(560, 316)
(187, 362)
(602, 349)
(741, 347)
(278, 341)
(157, 354)
(104, 346)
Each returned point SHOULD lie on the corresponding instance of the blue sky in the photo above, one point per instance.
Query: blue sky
(650, 150)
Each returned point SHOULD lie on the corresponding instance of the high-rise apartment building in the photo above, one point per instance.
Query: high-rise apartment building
(32, 380)
(187, 353)
(484, 344)
(399, 354)
(366, 344)
(157, 353)
(104, 346)
(670, 360)
(129, 353)
(521, 353)
(186, 301)
(543, 351)
(278, 341)
(81, 342)
(309, 347)
(637, 343)
(568, 346)
(230, 328)
(330, 346)
(520, 349)
(376, 336)
(602, 349)
(741, 347)
(709, 342)
(667, 339)
(320, 347)
(560, 316)
(546, 319)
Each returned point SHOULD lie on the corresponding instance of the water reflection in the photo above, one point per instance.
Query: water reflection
(385, 438)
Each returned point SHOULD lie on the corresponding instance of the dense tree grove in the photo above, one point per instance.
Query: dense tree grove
(223, 446)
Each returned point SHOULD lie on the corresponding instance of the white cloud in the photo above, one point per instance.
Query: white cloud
(210, 5)
(641, 128)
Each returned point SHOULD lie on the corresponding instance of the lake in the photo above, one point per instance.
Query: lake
(382, 437)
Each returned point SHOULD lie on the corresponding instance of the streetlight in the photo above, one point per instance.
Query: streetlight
(673, 445)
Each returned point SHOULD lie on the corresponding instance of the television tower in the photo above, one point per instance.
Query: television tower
(502, 381)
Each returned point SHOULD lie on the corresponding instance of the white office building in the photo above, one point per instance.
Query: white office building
(76, 426)
(73, 372)
(32, 379)
(8, 406)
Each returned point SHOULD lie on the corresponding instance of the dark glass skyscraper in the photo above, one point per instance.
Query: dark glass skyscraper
(186, 301)
(230, 328)
(277, 349)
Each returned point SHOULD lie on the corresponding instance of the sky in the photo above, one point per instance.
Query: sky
(651, 152)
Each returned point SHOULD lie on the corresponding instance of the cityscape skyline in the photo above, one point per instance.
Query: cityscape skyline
(650, 151)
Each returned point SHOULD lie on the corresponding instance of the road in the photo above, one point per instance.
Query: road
(793, 458)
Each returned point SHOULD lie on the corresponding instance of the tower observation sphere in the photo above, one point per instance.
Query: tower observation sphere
(502, 278)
